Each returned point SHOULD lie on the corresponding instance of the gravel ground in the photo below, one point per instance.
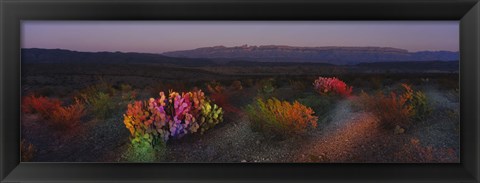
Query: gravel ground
(232, 142)
(86, 143)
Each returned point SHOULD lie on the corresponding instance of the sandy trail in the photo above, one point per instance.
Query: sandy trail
(348, 133)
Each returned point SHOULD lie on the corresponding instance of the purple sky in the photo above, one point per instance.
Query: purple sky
(162, 36)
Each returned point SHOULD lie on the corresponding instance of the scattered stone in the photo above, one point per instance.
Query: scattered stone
(243, 161)
(398, 130)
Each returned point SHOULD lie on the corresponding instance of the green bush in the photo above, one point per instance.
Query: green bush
(144, 149)
(101, 104)
(320, 104)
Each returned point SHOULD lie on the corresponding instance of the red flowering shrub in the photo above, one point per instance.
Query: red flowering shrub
(221, 96)
(324, 85)
(52, 110)
(41, 105)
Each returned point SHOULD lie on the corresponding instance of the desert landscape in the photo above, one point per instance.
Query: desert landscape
(379, 112)
(240, 91)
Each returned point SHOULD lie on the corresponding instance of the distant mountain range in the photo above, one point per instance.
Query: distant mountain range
(37, 55)
(241, 56)
(332, 55)
(99, 59)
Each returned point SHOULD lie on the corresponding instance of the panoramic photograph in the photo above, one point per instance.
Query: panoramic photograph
(240, 91)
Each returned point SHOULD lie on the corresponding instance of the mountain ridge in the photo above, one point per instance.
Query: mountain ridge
(40, 55)
(337, 55)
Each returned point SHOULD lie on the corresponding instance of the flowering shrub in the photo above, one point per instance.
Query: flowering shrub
(280, 117)
(324, 85)
(391, 110)
(68, 116)
(394, 109)
(52, 110)
(418, 101)
(171, 116)
(41, 105)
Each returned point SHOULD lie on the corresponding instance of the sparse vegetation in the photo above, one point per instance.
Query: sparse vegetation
(250, 114)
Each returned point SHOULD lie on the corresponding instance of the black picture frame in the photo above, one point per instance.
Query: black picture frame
(12, 12)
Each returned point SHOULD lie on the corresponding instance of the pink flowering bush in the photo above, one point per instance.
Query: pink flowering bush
(325, 85)
(158, 120)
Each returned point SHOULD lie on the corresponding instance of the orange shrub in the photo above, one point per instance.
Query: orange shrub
(68, 116)
(391, 110)
(395, 109)
(280, 117)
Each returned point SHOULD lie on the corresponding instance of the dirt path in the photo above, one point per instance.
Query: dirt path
(348, 133)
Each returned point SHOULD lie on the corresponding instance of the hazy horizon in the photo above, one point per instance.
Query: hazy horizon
(225, 46)
(164, 36)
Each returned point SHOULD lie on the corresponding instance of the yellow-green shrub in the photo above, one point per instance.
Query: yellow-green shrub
(101, 104)
(280, 118)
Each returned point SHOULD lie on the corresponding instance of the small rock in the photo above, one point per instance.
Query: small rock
(243, 161)
(257, 142)
(398, 130)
